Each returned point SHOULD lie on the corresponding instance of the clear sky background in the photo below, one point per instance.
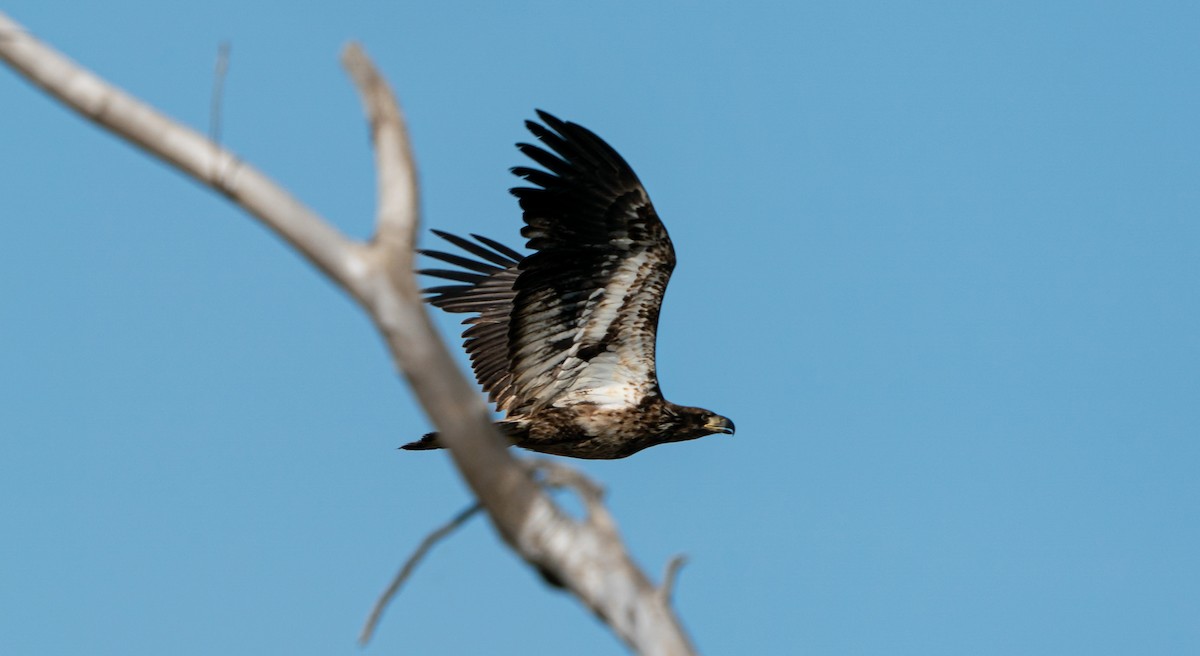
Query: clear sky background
(939, 261)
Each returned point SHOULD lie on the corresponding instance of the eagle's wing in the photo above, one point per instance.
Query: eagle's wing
(485, 288)
(587, 300)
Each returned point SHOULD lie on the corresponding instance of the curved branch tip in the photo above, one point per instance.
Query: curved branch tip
(667, 589)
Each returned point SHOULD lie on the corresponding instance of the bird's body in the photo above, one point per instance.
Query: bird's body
(563, 339)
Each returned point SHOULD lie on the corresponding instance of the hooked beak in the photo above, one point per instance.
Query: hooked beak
(720, 425)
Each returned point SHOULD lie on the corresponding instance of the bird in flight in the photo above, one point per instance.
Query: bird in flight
(562, 340)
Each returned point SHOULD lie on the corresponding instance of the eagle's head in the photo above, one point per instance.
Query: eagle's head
(684, 423)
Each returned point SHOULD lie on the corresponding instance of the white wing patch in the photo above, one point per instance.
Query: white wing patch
(624, 374)
(606, 382)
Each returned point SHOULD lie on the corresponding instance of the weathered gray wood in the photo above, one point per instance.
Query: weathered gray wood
(587, 557)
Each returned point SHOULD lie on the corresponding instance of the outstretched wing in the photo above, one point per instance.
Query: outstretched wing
(585, 313)
(484, 287)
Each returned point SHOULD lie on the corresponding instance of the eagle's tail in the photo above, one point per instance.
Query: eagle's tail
(427, 441)
(515, 430)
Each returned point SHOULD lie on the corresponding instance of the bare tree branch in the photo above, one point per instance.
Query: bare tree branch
(411, 564)
(218, 93)
(588, 557)
(399, 204)
(668, 585)
(183, 148)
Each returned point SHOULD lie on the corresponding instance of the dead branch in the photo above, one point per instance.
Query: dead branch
(406, 570)
(218, 93)
(588, 557)
(668, 585)
(183, 148)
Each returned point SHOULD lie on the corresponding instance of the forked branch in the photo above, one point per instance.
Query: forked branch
(587, 557)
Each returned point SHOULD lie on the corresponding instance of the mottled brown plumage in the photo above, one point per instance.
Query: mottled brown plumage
(562, 340)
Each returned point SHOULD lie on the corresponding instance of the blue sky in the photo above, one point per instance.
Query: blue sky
(939, 262)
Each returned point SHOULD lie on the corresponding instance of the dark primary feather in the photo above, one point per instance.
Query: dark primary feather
(502, 256)
(487, 292)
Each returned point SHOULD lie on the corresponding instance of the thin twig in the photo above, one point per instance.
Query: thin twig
(218, 93)
(668, 585)
(409, 565)
(185, 149)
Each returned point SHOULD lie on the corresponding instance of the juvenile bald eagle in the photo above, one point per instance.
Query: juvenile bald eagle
(562, 340)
